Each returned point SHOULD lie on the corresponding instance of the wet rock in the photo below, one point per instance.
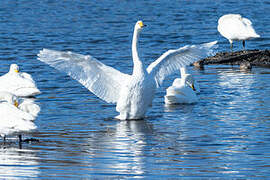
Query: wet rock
(251, 57)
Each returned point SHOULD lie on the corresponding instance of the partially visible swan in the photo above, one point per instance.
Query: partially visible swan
(133, 94)
(14, 120)
(183, 90)
(192, 81)
(29, 106)
(17, 83)
(234, 27)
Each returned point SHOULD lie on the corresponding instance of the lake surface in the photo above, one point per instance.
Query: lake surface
(225, 135)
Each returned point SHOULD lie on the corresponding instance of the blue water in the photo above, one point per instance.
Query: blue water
(225, 135)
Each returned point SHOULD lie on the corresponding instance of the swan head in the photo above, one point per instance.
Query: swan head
(189, 81)
(139, 25)
(14, 68)
(10, 98)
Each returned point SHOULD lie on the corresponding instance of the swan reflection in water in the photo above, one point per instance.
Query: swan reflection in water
(16, 163)
(120, 149)
(241, 89)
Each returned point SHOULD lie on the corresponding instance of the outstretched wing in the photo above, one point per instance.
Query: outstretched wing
(173, 60)
(104, 81)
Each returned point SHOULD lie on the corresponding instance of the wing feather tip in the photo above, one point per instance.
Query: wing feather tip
(210, 44)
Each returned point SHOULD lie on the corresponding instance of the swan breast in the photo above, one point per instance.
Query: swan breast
(137, 94)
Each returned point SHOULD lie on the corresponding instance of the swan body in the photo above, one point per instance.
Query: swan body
(13, 120)
(17, 83)
(28, 106)
(234, 27)
(136, 96)
(132, 94)
(183, 90)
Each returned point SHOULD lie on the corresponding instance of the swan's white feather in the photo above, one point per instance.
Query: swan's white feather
(184, 73)
(14, 120)
(27, 76)
(29, 106)
(27, 109)
(181, 91)
(173, 60)
(178, 81)
(180, 95)
(19, 84)
(235, 27)
(16, 113)
(103, 81)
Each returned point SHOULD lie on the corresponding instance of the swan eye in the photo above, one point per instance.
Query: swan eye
(141, 24)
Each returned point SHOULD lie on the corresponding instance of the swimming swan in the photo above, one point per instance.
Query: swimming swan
(236, 28)
(14, 120)
(192, 81)
(18, 83)
(133, 94)
(183, 90)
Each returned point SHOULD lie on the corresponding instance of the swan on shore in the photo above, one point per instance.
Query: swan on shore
(18, 83)
(14, 120)
(234, 27)
(133, 94)
(183, 90)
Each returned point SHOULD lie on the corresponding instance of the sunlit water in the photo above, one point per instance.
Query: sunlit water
(225, 135)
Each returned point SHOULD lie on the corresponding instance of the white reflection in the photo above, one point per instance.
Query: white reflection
(121, 148)
(240, 93)
(129, 143)
(239, 82)
(243, 98)
(236, 94)
(17, 163)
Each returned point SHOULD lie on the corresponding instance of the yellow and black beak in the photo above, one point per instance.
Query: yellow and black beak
(16, 71)
(141, 24)
(16, 103)
(192, 87)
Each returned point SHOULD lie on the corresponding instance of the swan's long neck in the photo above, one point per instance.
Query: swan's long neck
(138, 67)
(183, 71)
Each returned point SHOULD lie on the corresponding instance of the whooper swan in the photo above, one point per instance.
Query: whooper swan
(18, 83)
(236, 28)
(183, 90)
(133, 94)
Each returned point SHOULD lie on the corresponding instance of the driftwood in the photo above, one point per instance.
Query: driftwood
(252, 57)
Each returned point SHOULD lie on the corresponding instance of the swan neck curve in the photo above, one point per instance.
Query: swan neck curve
(137, 63)
(183, 71)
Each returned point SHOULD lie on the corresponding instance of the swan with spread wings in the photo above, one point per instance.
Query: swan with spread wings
(133, 94)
